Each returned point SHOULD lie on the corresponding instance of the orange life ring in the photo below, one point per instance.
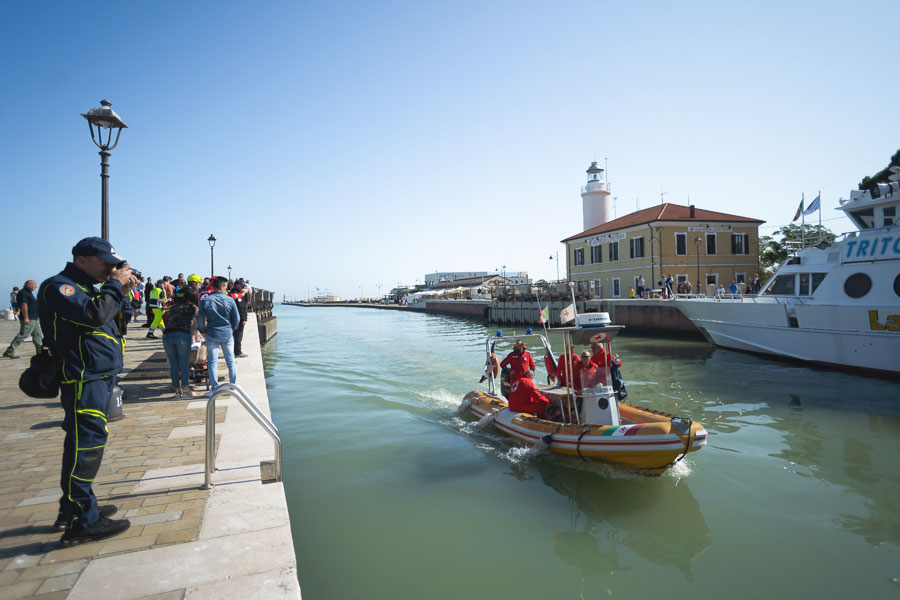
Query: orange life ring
(495, 363)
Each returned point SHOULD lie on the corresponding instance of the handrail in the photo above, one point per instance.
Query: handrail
(232, 389)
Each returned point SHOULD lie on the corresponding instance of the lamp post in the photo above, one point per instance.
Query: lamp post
(212, 265)
(104, 118)
(557, 265)
(697, 243)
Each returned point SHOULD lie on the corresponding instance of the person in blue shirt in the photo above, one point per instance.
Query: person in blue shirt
(78, 321)
(733, 288)
(217, 319)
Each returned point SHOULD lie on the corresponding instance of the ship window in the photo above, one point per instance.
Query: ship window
(804, 285)
(890, 215)
(864, 218)
(897, 285)
(816, 280)
(858, 285)
(783, 285)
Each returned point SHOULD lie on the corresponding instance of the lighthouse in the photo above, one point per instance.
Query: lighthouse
(595, 198)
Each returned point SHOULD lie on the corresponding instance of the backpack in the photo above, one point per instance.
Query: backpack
(42, 378)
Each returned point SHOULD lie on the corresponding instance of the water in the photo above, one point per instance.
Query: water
(391, 495)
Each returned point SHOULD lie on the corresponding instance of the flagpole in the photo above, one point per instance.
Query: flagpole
(819, 198)
(802, 221)
(574, 305)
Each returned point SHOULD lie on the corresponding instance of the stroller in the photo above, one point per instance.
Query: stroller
(199, 370)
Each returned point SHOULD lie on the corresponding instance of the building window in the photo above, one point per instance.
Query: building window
(597, 289)
(613, 251)
(579, 256)
(681, 244)
(740, 243)
(617, 291)
(596, 254)
(712, 278)
(637, 247)
(710, 243)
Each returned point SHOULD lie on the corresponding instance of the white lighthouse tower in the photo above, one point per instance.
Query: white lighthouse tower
(595, 198)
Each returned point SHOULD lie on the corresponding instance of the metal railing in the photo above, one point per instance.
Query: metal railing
(236, 391)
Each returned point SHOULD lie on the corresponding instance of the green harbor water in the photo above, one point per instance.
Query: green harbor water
(392, 495)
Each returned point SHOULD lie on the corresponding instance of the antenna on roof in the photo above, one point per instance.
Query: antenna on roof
(661, 197)
(606, 165)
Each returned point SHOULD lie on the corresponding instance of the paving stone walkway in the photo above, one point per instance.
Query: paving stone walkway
(152, 470)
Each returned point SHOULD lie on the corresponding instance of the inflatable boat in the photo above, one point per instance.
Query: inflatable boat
(590, 420)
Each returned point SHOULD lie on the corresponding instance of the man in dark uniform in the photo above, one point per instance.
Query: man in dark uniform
(78, 320)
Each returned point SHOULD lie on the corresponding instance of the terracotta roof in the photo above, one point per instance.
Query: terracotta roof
(662, 212)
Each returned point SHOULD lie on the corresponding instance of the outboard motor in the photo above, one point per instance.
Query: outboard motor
(601, 406)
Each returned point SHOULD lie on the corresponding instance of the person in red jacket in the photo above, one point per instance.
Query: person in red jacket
(602, 359)
(525, 397)
(561, 373)
(518, 361)
(586, 371)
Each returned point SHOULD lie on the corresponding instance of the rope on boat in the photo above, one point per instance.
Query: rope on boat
(688, 444)
(578, 445)
(548, 439)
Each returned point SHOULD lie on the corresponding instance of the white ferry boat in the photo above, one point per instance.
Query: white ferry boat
(835, 304)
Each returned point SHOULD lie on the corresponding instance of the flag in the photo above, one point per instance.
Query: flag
(813, 207)
(567, 314)
(799, 211)
(545, 315)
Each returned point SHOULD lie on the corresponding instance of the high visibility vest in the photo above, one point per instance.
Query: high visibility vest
(157, 298)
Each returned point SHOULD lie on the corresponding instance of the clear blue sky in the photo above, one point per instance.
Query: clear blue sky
(339, 145)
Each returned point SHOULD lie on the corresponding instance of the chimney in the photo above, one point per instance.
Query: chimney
(692, 211)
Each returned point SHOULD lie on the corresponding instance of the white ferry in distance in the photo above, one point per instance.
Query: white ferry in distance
(835, 304)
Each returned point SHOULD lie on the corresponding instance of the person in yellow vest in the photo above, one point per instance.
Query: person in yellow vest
(157, 303)
(631, 293)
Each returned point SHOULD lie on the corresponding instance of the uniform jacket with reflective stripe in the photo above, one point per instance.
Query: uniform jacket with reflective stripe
(78, 322)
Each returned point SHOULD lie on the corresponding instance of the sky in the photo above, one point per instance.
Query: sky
(343, 146)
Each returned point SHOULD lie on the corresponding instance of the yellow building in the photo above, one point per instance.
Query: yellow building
(688, 243)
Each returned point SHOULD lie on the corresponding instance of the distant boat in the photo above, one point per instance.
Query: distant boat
(835, 304)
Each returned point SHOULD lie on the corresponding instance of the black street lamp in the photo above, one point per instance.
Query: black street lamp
(229, 272)
(212, 265)
(697, 243)
(557, 265)
(104, 118)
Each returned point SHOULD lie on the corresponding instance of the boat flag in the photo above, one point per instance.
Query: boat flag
(567, 314)
(813, 206)
(799, 211)
(545, 315)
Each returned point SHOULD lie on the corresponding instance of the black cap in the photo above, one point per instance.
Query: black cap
(94, 246)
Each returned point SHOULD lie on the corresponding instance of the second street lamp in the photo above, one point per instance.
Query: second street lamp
(229, 272)
(212, 265)
(104, 118)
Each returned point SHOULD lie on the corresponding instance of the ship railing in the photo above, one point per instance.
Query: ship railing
(234, 390)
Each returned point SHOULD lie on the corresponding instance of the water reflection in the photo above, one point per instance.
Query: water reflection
(657, 518)
(840, 442)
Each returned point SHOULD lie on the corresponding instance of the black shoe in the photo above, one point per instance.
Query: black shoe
(150, 335)
(146, 325)
(241, 355)
(107, 510)
(10, 354)
(102, 529)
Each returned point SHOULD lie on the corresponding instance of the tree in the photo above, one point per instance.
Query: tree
(773, 252)
(869, 183)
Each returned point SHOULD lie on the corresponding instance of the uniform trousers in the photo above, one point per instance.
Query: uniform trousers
(86, 404)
